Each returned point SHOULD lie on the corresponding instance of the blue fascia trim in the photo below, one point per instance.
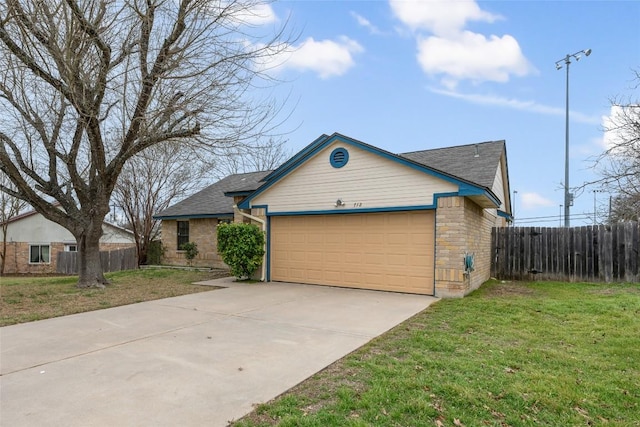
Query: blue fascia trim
(493, 198)
(506, 215)
(468, 190)
(325, 140)
(355, 211)
(238, 193)
(295, 159)
(432, 206)
(244, 204)
(196, 216)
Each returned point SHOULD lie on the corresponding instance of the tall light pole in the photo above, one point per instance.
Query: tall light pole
(568, 197)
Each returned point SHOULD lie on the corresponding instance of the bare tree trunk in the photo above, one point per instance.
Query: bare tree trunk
(86, 86)
(89, 265)
(3, 255)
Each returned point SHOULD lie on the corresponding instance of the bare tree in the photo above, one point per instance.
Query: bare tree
(624, 208)
(618, 166)
(10, 207)
(152, 181)
(253, 158)
(86, 85)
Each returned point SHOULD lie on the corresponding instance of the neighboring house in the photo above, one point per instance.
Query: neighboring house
(345, 213)
(33, 243)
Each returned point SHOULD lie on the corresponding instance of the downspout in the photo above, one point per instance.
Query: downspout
(264, 230)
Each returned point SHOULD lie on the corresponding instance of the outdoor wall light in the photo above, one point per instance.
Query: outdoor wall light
(339, 203)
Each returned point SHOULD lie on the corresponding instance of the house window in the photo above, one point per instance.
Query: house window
(70, 248)
(183, 233)
(39, 254)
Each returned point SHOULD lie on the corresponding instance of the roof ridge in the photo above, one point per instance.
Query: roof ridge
(456, 146)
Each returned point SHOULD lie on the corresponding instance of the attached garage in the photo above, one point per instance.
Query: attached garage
(345, 213)
(383, 251)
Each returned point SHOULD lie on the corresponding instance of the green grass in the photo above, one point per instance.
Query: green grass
(25, 299)
(510, 354)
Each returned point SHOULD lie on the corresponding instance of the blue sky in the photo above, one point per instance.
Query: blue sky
(414, 75)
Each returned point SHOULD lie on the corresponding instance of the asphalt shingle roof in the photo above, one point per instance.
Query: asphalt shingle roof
(476, 163)
(211, 200)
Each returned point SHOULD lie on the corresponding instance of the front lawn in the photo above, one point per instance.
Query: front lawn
(510, 354)
(25, 299)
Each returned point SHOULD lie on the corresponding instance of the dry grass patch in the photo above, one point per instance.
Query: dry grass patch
(25, 299)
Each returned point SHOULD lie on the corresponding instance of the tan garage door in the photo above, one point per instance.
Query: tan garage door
(383, 251)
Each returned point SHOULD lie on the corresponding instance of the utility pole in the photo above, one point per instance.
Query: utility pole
(568, 197)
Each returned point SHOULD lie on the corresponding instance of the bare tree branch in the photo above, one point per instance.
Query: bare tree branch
(618, 166)
(86, 86)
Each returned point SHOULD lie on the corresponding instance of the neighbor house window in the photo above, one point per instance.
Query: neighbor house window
(70, 248)
(39, 254)
(183, 233)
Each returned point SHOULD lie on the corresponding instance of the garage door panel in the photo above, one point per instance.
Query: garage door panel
(400, 260)
(374, 280)
(374, 238)
(332, 276)
(373, 259)
(397, 239)
(385, 251)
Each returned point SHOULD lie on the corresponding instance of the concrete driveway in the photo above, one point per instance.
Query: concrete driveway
(194, 360)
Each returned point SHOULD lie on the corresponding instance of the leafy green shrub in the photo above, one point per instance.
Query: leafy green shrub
(190, 251)
(241, 247)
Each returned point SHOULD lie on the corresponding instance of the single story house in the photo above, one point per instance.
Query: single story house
(33, 243)
(345, 213)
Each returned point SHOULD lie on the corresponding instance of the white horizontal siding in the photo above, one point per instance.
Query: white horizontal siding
(38, 229)
(498, 186)
(367, 181)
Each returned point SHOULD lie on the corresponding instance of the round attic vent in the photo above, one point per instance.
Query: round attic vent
(339, 157)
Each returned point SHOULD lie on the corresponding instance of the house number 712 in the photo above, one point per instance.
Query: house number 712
(357, 204)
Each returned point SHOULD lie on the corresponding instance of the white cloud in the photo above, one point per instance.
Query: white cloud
(258, 14)
(517, 104)
(471, 56)
(446, 49)
(327, 58)
(364, 22)
(535, 200)
(439, 17)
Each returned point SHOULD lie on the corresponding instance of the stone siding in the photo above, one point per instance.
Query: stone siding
(462, 227)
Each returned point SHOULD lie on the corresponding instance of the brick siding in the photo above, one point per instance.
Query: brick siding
(462, 227)
(18, 255)
(202, 232)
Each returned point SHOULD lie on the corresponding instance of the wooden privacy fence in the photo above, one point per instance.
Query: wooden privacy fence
(603, 253)
(116, 260)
